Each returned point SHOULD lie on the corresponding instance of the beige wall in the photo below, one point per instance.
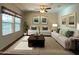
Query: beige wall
(7, 39)
(51, 18)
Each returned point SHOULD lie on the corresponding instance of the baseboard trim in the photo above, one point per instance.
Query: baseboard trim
(5, 48)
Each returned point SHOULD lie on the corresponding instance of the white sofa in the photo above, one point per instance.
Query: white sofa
(39, 30)
(33, 31)
(45, 30)
(63, 40)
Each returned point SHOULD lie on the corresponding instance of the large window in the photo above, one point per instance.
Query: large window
(17, 24)
(11, 21)
(7, 21)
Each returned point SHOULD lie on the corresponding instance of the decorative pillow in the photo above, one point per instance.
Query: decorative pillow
(64, 31)
(69, 34)
(34, 28)
(45, 28)
(58, 30)
(76, 34)
(51, 30)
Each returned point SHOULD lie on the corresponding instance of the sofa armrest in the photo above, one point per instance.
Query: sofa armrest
(72, 42)
(73, 38)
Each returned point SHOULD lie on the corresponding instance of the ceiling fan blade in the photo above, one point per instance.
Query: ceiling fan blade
(46, 11)
(48, 8)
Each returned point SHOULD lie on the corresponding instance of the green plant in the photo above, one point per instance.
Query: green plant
(25, 26)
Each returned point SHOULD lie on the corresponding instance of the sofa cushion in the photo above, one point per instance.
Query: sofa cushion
(69, 34)
(45, 28)
(64, 31)
(76, 34)
(33, 28)
(58, 30)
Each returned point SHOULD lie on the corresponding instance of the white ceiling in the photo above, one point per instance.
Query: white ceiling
(36, 6)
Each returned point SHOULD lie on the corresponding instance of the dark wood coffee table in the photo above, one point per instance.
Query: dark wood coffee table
(36, 41)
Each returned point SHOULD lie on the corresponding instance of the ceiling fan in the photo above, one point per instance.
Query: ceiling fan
(44, 8)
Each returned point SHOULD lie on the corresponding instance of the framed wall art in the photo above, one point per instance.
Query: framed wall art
(72, 20)
(64, 20)
(43, 20)
(36, 20)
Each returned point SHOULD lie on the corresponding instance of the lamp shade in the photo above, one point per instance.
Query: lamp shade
(54, 25)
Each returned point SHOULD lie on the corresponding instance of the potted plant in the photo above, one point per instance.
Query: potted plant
(25, 27)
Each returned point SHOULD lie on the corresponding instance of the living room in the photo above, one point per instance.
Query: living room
(56, 22)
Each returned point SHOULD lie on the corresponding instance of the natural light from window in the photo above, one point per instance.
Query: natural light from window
(17, 24)
(11, 21)
(6, 24)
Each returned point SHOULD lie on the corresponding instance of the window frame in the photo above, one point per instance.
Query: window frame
(11, 24)
(17, 23)
(7, 11)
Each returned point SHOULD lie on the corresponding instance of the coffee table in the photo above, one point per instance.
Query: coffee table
(36, 41)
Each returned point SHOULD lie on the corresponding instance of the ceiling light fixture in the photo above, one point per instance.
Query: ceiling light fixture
(42, 11)
(42, 8)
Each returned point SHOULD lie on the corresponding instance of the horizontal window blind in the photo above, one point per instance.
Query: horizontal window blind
(10, 12)
(11, 21)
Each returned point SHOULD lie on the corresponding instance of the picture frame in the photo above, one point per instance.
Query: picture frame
(43, 20)
(72, 20)
(36, 20)
(64, 20)
(69, 20)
